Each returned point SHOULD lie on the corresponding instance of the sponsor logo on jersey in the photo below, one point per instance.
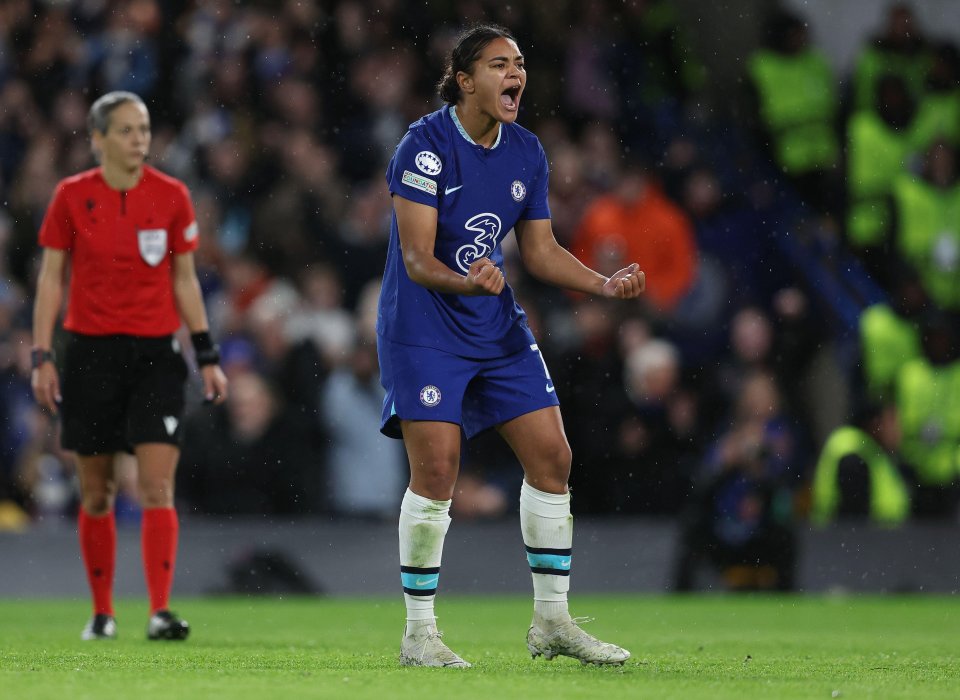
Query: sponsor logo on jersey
(190, 232)
(448, 190)
(487, 226)
(419, 182)
(429, 162)
(518, 191)
(429, 396)
(153, 245)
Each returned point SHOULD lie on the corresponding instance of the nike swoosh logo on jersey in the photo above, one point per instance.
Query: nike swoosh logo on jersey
(426, 581)
(448, 190)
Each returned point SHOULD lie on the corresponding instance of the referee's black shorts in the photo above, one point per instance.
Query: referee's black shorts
(120, 391)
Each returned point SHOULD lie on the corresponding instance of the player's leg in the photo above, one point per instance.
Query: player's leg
(433, 450)
(423, 405)
(539, 441)
(97, 530)
(540, 444)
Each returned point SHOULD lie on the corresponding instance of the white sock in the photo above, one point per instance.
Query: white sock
(423, 525)
(548, 535)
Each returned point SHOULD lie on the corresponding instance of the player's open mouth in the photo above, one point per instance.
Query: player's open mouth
(510, 98)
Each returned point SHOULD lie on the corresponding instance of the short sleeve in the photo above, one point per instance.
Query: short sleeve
(57, 230)
(184, 231)
(538, 206)
(415, 169)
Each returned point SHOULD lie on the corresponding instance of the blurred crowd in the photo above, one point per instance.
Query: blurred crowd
(888, 145)
(713, 398)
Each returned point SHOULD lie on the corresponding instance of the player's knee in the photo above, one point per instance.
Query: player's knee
(558, 469)
(438, 473)
(551, 471)
(559, 458)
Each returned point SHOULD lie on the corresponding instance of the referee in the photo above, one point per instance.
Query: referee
(128, 233)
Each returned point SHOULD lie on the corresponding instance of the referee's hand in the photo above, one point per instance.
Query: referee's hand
(214, 384)
(46, 386)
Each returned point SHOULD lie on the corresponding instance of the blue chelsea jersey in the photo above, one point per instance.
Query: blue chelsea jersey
(479, 194)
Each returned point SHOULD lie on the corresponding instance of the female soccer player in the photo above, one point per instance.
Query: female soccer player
(455, 350)
(129, 234)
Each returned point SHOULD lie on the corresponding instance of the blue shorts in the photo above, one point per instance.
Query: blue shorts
(476, 394)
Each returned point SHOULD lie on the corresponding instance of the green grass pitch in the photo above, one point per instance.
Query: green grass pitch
(683, 647)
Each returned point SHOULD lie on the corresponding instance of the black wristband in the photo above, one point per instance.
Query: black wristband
(207, 353)
(39, 356)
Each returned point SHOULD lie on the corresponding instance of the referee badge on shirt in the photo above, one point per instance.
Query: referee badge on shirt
(153, 245)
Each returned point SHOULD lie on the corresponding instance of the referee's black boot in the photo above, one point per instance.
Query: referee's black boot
(165, 625)
(101, 626)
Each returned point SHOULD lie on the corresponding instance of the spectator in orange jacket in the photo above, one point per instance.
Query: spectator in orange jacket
(636, 221)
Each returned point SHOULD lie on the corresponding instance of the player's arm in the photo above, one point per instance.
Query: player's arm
(186, 291)
(417, 224)
(551, 263)
(44, 380)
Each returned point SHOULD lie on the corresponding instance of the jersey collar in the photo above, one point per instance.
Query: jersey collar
(463, 132)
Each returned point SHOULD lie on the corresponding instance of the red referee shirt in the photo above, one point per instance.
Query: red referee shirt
(121, 246)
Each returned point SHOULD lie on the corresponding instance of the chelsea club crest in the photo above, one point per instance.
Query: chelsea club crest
(518, 191)
(430, 396)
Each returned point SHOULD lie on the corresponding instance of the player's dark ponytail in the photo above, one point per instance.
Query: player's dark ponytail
(467, 50)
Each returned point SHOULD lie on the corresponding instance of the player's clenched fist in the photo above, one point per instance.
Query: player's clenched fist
(484, 277)
(626, 283)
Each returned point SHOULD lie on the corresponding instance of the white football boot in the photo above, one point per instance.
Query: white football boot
(565, 638)
(423, 646)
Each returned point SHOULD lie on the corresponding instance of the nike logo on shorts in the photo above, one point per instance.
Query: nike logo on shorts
(550, 389)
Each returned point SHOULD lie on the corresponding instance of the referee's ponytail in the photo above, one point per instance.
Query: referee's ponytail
(470, 44)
